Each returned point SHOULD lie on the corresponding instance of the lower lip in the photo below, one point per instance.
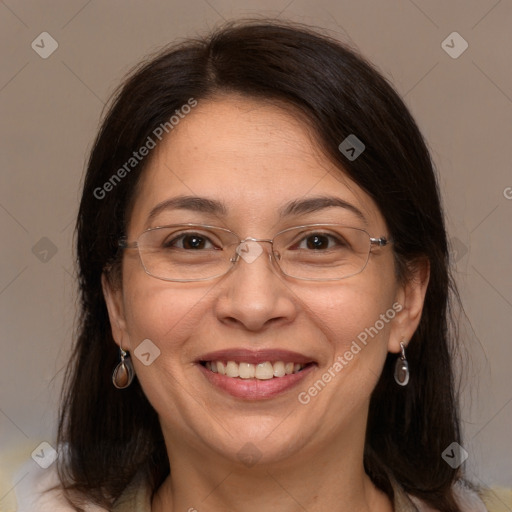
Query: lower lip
(255, 389)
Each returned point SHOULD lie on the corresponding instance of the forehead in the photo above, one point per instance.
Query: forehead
(252, 156)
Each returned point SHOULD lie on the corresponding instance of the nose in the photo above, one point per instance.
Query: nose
(254, 294)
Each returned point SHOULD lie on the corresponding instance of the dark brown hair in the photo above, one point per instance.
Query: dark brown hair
(110, 434)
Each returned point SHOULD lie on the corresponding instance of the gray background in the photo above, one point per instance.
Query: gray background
(50, 110)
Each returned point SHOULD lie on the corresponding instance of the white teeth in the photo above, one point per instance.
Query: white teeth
(279, 369)
(264, 371)
(232, 369)
(260, 371)
(247, 371)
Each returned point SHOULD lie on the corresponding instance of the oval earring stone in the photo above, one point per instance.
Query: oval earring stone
(402, 372)
(123, 374)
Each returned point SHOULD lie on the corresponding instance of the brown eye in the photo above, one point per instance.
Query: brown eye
(317, 242)
(193, 242)
(189, 241)
(321, 241)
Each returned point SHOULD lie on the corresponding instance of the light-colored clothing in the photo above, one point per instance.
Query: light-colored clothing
(33, 496)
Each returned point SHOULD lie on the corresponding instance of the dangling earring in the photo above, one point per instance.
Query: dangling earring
(402, 368)
(123, 373)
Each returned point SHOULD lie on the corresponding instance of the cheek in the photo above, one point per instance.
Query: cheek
(351, 312)
(161, 319)
(354, 323)
(354, 318)
(162, 312)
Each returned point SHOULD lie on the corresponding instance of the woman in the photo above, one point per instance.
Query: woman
(265, 284)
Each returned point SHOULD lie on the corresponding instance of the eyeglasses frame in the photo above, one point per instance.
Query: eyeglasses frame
(124, 244)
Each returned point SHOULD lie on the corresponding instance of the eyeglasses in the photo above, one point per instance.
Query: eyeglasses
(197, 252)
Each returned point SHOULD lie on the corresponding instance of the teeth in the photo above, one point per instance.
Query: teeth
(232, 369)
(279, 370)
(260, 371)
(264, 371)
(247, 371)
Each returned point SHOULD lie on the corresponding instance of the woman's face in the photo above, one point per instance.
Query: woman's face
(255, 159)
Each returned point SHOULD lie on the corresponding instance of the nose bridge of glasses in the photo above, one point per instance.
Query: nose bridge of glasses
(249, 249)
(251, 239)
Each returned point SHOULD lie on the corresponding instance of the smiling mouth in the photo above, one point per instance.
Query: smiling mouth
(262, 371)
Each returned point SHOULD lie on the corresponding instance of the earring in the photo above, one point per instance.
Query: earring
(123, 373)
(402, 368)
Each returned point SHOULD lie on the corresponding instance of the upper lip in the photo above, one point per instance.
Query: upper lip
(243, 355)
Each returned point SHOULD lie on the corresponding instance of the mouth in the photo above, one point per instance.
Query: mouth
(262, 371)
(255, 375)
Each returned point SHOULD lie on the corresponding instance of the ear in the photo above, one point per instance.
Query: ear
(411, 297)
(114, 300)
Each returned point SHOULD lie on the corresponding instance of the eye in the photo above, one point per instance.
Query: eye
(189, 241)
(321, 241)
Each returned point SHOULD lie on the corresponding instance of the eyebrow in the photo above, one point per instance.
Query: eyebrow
(313, 204)
(192, 203)
(214, 207)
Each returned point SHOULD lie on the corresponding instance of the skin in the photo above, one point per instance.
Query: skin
(255, 157)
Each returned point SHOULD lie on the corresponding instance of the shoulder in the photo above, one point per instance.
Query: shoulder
(467, 499)
(40, 490)
(136, 497)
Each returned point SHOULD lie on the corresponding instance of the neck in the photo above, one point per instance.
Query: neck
(316, 480)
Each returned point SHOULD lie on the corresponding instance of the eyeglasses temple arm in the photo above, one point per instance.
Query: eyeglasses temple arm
(381, 242)
(122, 243)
